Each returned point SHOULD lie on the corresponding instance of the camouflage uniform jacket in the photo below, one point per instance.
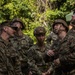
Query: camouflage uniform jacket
(22, 44)
(12, 59)
(38, 56)
(5, 67)
(55, 47)
(67, 53)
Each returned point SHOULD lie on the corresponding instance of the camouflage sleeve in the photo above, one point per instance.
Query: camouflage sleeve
(16, 62)
(3, 67)
(18, 67)
(30, 41)
(49, 38)
(69, 58)
(33, 67)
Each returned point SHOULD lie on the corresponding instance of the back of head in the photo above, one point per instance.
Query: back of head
(18, 20)
(5, 23)
(39, 30)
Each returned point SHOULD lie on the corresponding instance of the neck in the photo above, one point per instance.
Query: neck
(20, 33)
(63, 34)
(40, 44)
(5, 36)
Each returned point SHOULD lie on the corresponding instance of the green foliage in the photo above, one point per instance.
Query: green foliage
(28, 11)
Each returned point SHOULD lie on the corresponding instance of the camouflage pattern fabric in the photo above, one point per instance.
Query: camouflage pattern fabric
(67, 53)
(55, 47)
(51, 38)
(38, 56)
(5, 67)
(22, 44)
(11, 58)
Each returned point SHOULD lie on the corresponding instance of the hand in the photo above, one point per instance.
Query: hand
(56, 62)
(50, 53)
(46, 73)
(30, 73)
(43, 74)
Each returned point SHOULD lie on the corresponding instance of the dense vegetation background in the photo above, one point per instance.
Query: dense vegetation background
(35, 12)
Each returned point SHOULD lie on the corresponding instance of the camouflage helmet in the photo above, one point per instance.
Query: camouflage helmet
(18, 20)
(60, 21)
(7, 23)
(39, 30)
(72, 22)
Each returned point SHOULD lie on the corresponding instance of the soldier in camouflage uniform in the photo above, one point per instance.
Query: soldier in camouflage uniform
(66, 59)
(36, 53)
(22, 43)
(61, 34)
(25, 41)
(63, 29)
(9, 59)
(54, 34)
(54, 52)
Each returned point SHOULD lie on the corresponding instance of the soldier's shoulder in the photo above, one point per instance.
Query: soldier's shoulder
(31, 50)
(71, 37)
(52, 34)
(13, 38)
(34, 47)
(2, 43)
(26, 37)
(48, 46)
(70, 34)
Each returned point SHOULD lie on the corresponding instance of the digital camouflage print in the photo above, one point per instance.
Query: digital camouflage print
(22, 44)
(10, 62)
(38, 56)
(51, 38)
(52, 69)
(67, 53)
